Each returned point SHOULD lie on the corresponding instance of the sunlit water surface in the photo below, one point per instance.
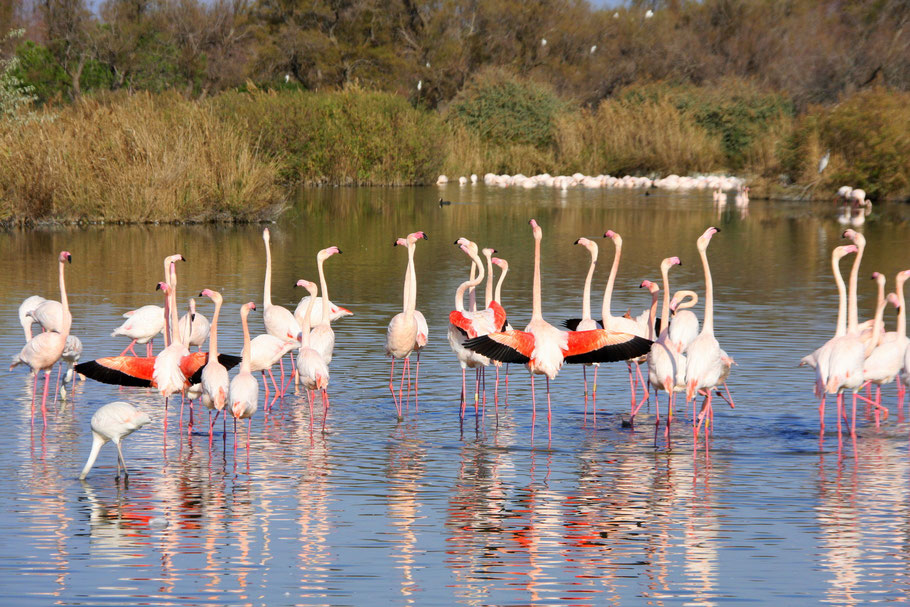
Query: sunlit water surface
(376, 511)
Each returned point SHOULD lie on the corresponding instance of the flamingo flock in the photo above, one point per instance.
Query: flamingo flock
(861, 355)
(679, 357)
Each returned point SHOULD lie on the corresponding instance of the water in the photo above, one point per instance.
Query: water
(425, 512)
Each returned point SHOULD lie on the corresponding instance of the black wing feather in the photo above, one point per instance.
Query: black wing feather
(633, 348)
(572, 324)
(228, 360)
(493, 349)
(105, 375)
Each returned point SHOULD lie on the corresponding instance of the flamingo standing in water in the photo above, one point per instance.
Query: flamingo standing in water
(44, 350)
(311, 367)
(215, 381)
(244, 389)
(141, 326)
(666, 365)
(544, 348)
(684, 326)
(405, 328)
(265, 351)
(278, 321)
(497, 297)
(886, 359)
(322, 337)
(197, 329)
(464, 325)
(336, 312)
(587, 323)
(704, 366)
(112, 423)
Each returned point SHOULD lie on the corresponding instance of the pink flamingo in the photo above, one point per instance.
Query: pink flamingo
(497, 297)
(336, 312)
(666, 365)
(244, 389)
(141, 326)
(198, 328)
(43, 351)
(544, 348)
(311, 367)
(587, 323)
(215, 381)
(278, 321)
(886, 359)
(322, 337)
(404, 331)
(25, 317)
(265, 351)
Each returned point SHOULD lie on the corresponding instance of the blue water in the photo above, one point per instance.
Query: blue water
(430, 511)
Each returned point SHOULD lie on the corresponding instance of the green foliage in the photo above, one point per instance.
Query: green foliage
(869, 139)
(504, 109)
(349, 137)
(16, 97)
(38, 68)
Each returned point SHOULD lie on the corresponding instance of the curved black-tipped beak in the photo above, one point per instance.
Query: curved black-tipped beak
(577, 241)
(425, 237)
(395, 244)
(69, 258)
(339, 251)
(158, 287)
(200, 294)
(455, 243)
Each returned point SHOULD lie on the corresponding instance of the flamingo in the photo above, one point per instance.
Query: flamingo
(113, 422)
(336, 312)
(198, 331)
(265, 351)
(544, 347)
(684, 326)
(244, 389)
(704, 366)
(464, 325)
(167, 373)
(666, 364)
(43, 351)
(72, 351)
(278, 321)
(141, 326)
(215, 380)
(322, 338)
(587, 323)
(886, 359)
(49, 314)
(311, 367)
(405, 328)
(25, 317)
(497, 297)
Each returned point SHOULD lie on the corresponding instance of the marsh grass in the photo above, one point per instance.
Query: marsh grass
(134, 158)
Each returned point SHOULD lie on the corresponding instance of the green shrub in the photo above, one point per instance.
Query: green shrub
(344, 137)
(503, 109)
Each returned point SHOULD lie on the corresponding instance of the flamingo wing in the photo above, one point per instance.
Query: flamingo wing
(499, 316)
(193, 373)
(463, 323)
(506, 346)
(601, 346)
(120, 370)
(572, 324)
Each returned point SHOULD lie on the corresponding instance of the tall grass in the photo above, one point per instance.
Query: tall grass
(134, 158)
(347, 137)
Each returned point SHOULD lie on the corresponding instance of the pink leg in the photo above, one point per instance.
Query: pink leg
(549, 414)
(128, 348)
(463, 395)
(148, 348)
(325, 407)
(476, 391)
(533, 408)
(507, 385)
(47, 383)
(407, 368)
(821, 414)
(584, 374)
(392, 388)
(265, 387)
(416, 382)
(642, 382)
(249, 431)
(404, 366)
(853, 421)
(594, 396)
(632, 386)
(57, 383)
(496, 394)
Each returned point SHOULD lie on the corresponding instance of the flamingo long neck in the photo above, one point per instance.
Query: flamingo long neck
(67, 317)
(901, 311)
(213, 336)
(410, 287)
(267, 288)
(852, 314)
(412, 277)
(172, 293)
(305, 328)
(488, 295)
(97, 443)
(188, 332)
(469, 284)
(708, 326)
(245, 355)
(167, 319)
(608, 292)
(876, 328)
(497, 297)
(665, 306)
(406, 296)
(652, 315)
(586, 296)
(472, 296)
(536, 312)
(841, 299)
(324, 318)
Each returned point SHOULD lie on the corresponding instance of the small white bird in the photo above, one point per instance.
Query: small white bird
(649, 14)
(543, 42)
(593, 48)
(824, 161)
(419, 84)
(287, 78)
(113, 422)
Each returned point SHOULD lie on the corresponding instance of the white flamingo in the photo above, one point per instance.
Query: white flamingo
(243, 394)
(141, 326)
(311, 367)
(322, 337)
(112, 423)
(215, 380)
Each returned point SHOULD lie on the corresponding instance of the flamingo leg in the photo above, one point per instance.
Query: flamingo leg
(416, 382)
(584, 374)
(496, 395)
(392, 388)
(476, 391)
(57, 383)
(853, 420)
(249, 431)
(122, 461)
(549, 413)
(265, 387)
(401, 387)
(325, 407)
(594, 395)
(507, 385)
(463, 390)
(533, 407)
(407, 368)
(729, 398)
(47, 383)
(148, 348)
(632, 386)
(642, 383)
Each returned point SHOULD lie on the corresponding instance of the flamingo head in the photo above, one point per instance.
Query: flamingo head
(415, 236)
(858, 239)
(502, 263)
(669, 262)
(464, 242)
(893, 300)
(651, 286)
(902, 277)
(163, 286)
(535, 228)
(328, 252)
(308, 285)
(213, 295)
(589, 244)
(879, 278)
(266, 235)
(400, 242)
(705, 238)
(488, 253)
(615, 237)
(172, 259)
(65, 256)
(842, 251)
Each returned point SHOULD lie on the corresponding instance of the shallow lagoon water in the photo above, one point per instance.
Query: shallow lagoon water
(425, 511)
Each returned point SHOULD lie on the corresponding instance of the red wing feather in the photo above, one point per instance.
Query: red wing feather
(506, 346)
(499, 316)
(602, 346)
(463, 323)
(120, 370)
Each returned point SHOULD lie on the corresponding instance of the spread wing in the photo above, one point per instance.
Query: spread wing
(601, 346)
(120, 370)
(506, 346)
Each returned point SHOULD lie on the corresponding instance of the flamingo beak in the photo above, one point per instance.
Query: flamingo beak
(345, 311)
(69, 258)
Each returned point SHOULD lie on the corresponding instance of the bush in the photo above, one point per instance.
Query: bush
(345, 137)
(134, 158)
(503, 109)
